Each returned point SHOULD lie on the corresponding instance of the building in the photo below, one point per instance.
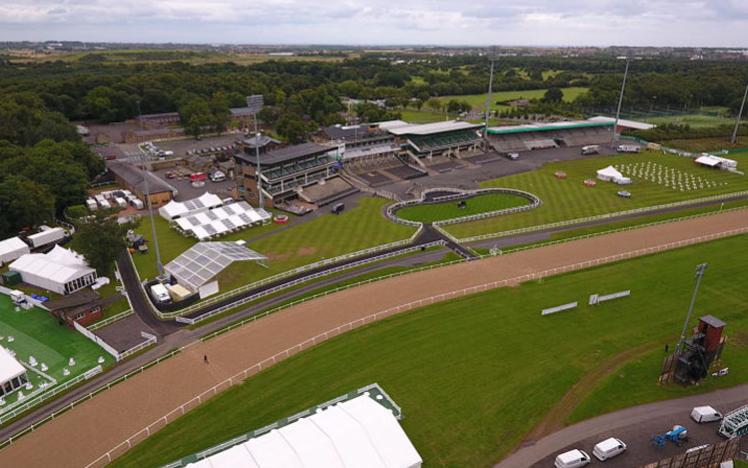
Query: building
(132, 178)
(287, 171)
(249, 144)
(360, 141)
(164, 119)
(60, 270)
(359, 430)
(241, 116)
(11, 249)
(84, 307)
(12, 373)
(517, 138)
(450, 138)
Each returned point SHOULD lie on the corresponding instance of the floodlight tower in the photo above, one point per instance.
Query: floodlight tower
(620, 101)
(700, 269)
(255, 103)
(488, 97)
(734, 138)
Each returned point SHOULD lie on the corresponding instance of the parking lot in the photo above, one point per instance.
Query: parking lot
(187, 191)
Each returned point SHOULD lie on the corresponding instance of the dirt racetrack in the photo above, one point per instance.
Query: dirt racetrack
(82, 435)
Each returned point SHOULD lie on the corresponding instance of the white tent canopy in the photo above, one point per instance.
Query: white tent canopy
(204, 260)
(11, 249)
(9, 367)
(220, 220)
(60, 270)
(175, 209)
(611, 174)
(358, 433)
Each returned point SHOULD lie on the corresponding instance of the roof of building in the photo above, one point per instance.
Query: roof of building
(546, 127)
(79, 298)
(289, 153)
(12, 245)
(59, 265)
(9, 367)
(355, 433)
(390, 124)
(241, 111)
(713, 321)
(263, 139)
(351, 132)
(133, 176)
(632, 124)
(432, 128)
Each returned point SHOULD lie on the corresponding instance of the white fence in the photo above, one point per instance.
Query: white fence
(239, 377)
(149, 340)
(111, 320)
(92, 336)
(570, 222)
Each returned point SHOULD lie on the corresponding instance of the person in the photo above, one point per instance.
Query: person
(205, 358)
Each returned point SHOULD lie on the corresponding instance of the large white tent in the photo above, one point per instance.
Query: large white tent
(611, 174)
(358, 433)
(175, 209)
(11, 249)
(12, 373)
(221, 220)
(60, 270)
(204, 260)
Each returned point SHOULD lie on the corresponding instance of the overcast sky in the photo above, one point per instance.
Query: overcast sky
(453, 22)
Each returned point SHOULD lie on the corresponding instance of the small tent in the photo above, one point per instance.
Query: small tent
(611, 174)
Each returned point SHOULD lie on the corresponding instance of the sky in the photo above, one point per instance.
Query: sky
(705, 23)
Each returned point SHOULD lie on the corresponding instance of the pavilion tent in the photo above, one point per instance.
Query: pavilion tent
(175, 209)
(60, 270)
(611, 174)
(12, 373)
(11, 249)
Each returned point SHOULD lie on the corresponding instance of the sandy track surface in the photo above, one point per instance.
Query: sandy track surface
(82, 435)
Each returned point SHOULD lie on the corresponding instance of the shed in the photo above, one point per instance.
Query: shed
(11, 249)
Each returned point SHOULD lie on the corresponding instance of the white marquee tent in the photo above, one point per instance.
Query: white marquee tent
(221, 220)
(11, 249)
(175, 209)
(611, 174)
(204, 260)
(60, 270)
(12, 373)
(358, 433)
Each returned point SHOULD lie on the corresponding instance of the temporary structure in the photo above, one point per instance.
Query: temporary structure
(611, 174)
(175, 209)
(12, 373)
(11, 249)
(60, 270)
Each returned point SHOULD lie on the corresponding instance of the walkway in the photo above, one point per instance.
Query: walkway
(117, 414)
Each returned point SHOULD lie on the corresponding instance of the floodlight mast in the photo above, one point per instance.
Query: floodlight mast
(734, 138)
(159, 265)
(620, 101)
(488, 97)
(700, 269)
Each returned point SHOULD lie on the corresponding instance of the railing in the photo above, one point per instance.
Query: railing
(149, 340)
(111, 320)
(617, 214)
(290, 284)
(271, 279)
(240, 376)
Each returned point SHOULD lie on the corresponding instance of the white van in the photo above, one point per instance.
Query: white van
(590, 149)
(572, 459)
(160, 293)
(704, 414)
(628, 149)
(608, 448)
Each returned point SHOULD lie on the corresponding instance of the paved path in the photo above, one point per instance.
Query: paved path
(82, 435)
(635, 419)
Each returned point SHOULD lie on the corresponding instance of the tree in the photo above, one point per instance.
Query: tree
(219, 109)
(553, 94)
(434, 104)
(100, 241)
(23, 203)
(292, 128)
(195, 114)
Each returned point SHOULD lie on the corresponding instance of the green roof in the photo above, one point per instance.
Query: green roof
(546, 127)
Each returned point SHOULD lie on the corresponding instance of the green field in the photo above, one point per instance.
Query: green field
(327, 236)
(474, 375)
(36, 333)
(700, 145)
(428, 213)
(567, 199)
(478, 101)
(692, 120)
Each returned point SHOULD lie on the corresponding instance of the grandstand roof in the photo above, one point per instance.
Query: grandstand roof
(287, 154)
(546, 127)
(433, 128)
(632, 124)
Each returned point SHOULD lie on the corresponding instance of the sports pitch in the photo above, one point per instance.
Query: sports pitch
(474, 375)
(568, 199)
(428, 213)
(36, 333)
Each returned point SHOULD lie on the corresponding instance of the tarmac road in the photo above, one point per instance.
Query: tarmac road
(635, 426)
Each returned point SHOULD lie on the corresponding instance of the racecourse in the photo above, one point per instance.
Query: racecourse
(117, 414)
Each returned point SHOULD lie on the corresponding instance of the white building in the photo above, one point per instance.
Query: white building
(358, 433)
(11, 249)
(12, 373)
(60, 270)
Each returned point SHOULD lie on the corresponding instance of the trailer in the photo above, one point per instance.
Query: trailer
(46, 236)
(735, 423)
(91, 204)
(137, 203)
(121, 202)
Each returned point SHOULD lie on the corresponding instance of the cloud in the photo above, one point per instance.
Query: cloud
(531, 22)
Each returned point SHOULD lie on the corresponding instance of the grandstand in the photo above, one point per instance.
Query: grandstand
(449, 138)
(549, 135)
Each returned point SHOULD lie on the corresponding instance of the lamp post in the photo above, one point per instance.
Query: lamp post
(734, 138)
(620, 101)
(488, 97)
(700, 269)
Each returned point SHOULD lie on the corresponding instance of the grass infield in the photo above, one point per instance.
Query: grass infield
(474, 375)
(428, 213)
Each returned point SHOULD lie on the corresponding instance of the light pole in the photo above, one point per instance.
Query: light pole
(700, 268)
(488, 97)
(620, 101)
(734, 138)
(146, 174)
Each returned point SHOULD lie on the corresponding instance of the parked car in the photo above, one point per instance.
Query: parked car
(609, 448)
(704, 414)
(628, 149)
(572, 459)
(512, 156)
(624, 194)
(590, 149)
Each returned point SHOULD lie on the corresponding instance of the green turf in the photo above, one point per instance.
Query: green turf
(429, 213)
(478, 101)
(327, 236)
(568, 199)
(475, 374)
(701, 145)
(36, 333)
(692, 120)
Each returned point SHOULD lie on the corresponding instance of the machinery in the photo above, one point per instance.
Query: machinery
(676, 435)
